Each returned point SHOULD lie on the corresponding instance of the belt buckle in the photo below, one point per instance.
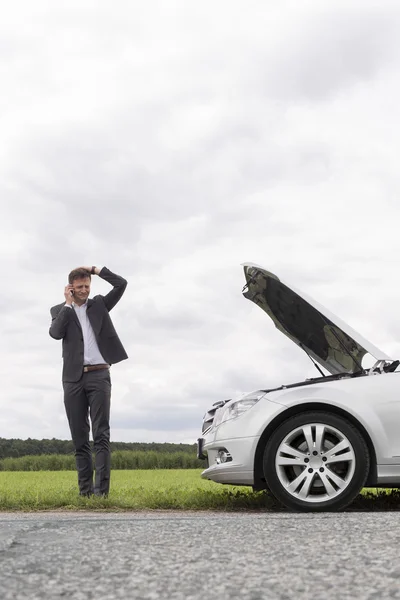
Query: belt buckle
(85, 370)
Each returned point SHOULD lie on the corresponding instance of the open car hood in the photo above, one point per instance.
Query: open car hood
(325, 337)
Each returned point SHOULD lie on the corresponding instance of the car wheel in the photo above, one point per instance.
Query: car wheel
(316, 461)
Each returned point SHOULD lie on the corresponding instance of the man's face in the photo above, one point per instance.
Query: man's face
(81, 289)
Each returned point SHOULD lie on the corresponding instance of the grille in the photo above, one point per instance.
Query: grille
(208, 418)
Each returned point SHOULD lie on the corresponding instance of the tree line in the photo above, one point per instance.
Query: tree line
(120, 459)
(15, 448)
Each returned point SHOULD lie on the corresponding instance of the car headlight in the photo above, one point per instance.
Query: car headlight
(239, 407)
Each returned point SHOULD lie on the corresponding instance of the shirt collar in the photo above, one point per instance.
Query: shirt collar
(81, 306)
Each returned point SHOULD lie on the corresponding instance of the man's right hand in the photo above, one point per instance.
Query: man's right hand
(67, 294)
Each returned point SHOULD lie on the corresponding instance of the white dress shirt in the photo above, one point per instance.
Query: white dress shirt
(91, 352)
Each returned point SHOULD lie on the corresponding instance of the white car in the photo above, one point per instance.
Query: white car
(314, 444)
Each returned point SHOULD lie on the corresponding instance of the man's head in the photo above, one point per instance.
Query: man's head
(80, 280)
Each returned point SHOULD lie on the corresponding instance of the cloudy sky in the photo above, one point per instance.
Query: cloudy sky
(173, 141)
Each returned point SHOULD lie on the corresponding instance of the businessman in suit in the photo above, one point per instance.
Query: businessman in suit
(90, 345)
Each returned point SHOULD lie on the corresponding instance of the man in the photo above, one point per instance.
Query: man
(90, 346)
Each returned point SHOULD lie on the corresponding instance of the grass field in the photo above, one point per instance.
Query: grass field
(180, 489)
(134, 490)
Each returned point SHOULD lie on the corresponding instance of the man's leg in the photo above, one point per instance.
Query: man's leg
(98, 390)
(76, 407)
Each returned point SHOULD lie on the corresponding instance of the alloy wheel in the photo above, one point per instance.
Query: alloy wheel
(315, 462)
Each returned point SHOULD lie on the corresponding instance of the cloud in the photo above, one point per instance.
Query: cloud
(172, 147)
(324, 50)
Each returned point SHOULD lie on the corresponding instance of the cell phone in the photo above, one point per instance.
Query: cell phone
(71, 292)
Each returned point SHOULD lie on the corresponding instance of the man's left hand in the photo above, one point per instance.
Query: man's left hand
(96, 269)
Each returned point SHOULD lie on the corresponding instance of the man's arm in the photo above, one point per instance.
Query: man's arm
(60, 316)
(119, 286)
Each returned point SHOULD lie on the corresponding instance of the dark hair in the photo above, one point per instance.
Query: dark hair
(78, 274)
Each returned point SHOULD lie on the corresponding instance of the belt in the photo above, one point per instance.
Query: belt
(88, 368)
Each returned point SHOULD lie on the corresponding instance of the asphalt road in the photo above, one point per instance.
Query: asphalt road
(204, 556)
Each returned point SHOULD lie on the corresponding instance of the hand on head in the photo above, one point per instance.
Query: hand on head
(88, 269)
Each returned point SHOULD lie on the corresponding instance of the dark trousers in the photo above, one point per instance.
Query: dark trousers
(90, 397)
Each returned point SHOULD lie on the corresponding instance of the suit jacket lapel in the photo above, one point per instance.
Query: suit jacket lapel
(93, 318)
(76, 318)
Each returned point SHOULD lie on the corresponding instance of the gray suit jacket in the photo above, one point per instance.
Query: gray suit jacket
(65, 326)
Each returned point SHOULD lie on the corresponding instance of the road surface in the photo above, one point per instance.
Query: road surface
(193, 556)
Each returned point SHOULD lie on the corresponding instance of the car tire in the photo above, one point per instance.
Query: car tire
(316, 461)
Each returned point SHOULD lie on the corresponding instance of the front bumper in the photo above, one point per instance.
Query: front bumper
(239, 470)
(227, 438)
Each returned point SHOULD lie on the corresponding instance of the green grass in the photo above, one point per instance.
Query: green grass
(179, 489)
